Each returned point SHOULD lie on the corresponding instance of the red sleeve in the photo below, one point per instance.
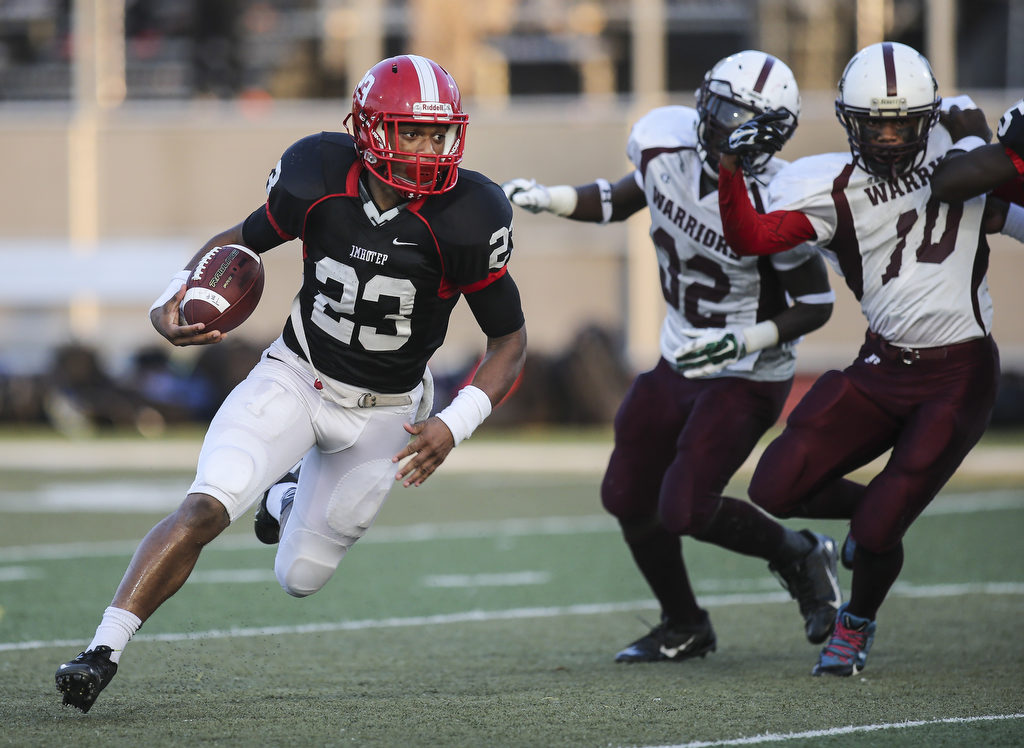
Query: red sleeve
(1012, 191)
(751, 233)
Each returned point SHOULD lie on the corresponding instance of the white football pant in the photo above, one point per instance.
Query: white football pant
(273, 419)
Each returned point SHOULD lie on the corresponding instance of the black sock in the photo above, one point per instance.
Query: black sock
(658, 554)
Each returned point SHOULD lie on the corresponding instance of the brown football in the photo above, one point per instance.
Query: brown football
(224, 288)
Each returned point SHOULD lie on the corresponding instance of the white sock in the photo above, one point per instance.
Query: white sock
(278, 492)
(114, 631)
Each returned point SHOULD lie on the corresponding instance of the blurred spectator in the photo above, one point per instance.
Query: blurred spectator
(178, 395)
(81, 396)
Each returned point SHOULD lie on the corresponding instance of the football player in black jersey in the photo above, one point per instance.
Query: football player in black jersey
(393, 232)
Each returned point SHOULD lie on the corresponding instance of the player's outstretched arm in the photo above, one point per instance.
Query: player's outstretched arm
(596, 202)
(165, 314)
(434, 439)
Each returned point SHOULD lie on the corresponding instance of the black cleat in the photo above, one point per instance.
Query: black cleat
(82, 679)
(268, 529)
(668, 641)
(814, 584)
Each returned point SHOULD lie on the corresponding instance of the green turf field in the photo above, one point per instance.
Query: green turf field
(483, 609)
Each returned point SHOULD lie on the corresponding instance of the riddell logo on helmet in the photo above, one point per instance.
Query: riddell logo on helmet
(890, 102)
(433, 108)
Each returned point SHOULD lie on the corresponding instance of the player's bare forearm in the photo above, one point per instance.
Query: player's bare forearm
(961, 175)
(626, 198)
(808, 285)
(501, 365)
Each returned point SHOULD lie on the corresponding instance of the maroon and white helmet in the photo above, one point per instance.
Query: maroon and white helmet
(736, 89)
(404, 89)
(888, 83)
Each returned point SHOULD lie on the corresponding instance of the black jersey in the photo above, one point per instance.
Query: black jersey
(378, 290)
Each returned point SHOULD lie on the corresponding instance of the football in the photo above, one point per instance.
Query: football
(224, 288)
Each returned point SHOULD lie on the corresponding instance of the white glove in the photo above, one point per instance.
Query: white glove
(708, 352)
(527, 194)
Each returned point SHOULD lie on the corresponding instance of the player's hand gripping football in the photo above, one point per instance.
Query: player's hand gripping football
(527, 194)
(708, 352)
(762, 134)
(1011, 129)
(168, 322)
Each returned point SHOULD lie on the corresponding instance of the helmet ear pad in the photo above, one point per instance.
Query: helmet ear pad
(408, 89)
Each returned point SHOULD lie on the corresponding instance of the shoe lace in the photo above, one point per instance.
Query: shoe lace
(845, 642)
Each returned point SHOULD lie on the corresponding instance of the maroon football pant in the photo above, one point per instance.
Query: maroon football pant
(929, 412)
(678, 442)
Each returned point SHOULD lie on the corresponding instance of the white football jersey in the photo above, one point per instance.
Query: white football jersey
(916, 265)
(705, 283)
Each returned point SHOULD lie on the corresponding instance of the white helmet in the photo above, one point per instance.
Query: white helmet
(890, 82)
(735, 90)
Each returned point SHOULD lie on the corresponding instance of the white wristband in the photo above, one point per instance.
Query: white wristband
(179, 279)
(762, 335)
(563, 199)
(604, 189)
(1014, 225)
(968, 143)
(467, 411)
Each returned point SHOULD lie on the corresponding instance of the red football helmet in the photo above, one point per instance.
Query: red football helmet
(402, 90)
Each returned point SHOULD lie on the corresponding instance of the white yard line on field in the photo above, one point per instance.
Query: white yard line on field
(484, 616)
(989, 501)
(834, 731)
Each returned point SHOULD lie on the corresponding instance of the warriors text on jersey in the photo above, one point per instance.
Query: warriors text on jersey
(705, 283)
(378, 288)
(916, 265)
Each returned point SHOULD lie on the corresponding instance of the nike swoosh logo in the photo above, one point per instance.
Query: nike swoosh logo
(671, 652)
(398, 243)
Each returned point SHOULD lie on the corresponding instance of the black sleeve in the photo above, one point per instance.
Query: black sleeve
(258, 233)
(497, 307)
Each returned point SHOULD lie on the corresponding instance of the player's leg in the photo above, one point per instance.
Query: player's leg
(835, 428)
(946, 406)
(729, 416)
(647, 425)
(339, 493)
(260, 429)
(953, 406)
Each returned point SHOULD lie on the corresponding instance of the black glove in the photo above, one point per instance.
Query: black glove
(1011, 129)
(757, 136)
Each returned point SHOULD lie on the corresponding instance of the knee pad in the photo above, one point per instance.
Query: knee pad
(356, 500)
(306, 561)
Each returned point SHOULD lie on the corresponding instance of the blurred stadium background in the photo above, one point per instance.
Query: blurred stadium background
(132, 130)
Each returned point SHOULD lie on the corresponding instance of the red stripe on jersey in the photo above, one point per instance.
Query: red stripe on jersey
(280, 232)
(750, 233)
(352, 178)
(762, 78)
(890, 69)
(1018, 162)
